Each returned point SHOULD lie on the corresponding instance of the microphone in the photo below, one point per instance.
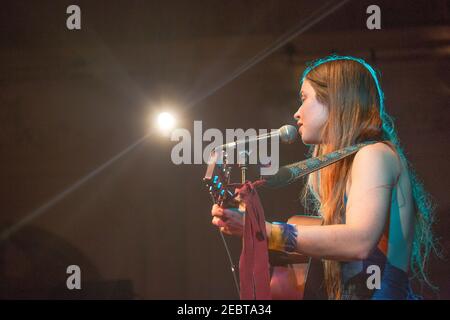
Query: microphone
(287, 134)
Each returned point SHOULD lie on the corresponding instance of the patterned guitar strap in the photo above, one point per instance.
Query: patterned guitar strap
(254, 260)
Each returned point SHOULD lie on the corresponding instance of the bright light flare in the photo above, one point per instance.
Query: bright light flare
(165, 122)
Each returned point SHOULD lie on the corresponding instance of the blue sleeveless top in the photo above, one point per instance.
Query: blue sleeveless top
(394, 284)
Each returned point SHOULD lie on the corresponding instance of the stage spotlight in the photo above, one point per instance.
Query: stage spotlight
(166, 122)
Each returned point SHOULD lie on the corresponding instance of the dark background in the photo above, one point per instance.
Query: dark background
(72, 100)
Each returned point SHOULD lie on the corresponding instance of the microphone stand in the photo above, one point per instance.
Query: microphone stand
(227, 249)
(244, 167)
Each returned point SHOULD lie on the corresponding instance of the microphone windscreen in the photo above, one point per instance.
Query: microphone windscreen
(288, 134)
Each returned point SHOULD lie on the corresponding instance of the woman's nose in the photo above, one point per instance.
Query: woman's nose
(297, 114)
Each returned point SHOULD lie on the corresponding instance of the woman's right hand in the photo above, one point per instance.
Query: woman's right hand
(230, 220)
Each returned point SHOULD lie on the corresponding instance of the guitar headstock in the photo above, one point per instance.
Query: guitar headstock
(217, 179)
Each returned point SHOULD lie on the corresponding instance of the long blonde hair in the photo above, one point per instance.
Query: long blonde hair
(350, 89)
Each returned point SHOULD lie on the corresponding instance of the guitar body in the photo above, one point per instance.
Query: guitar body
(290, 271)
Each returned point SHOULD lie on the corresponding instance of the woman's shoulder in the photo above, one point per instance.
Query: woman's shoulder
(378, 149)
(379, 158)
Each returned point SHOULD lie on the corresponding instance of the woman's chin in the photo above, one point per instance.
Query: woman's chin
(305, 140)
(303, 136)
(308, 141)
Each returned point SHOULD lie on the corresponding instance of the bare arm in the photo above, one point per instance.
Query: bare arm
(373, 174)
